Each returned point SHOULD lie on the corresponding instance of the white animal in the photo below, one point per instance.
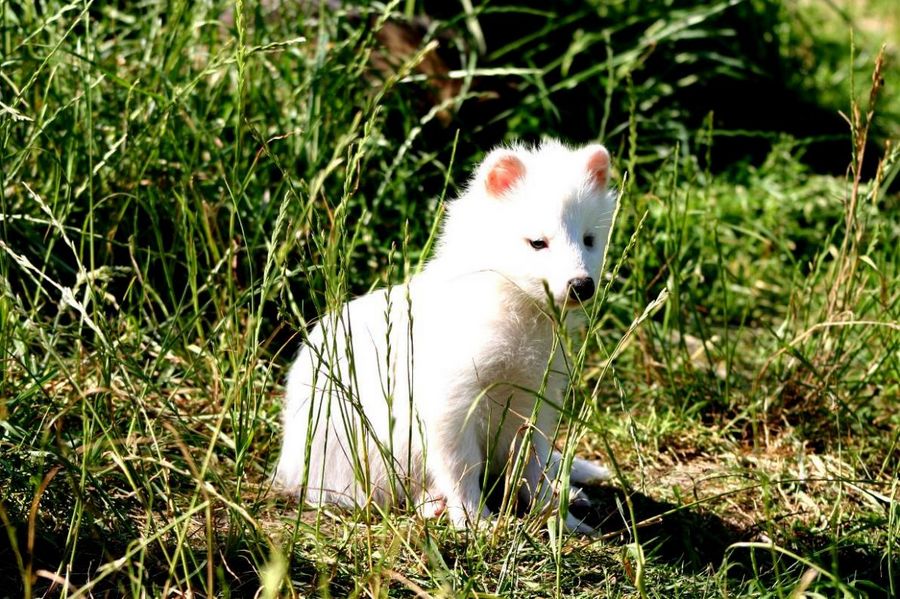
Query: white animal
(408, 394)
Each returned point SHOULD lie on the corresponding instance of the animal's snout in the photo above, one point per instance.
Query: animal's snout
(581, 289)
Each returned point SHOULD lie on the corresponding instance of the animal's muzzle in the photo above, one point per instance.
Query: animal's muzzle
(581, 290)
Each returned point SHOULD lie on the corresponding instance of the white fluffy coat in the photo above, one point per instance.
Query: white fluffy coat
(408, 394)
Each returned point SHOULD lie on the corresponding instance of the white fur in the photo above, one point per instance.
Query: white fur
(400, 396)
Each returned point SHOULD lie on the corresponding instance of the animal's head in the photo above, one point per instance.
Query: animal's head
(539, 218)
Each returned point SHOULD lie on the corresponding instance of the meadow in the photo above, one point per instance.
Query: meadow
(185, 186)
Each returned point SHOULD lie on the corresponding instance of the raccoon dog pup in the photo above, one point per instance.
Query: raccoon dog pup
(408, 394)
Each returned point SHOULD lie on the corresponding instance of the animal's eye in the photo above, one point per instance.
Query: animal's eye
(538, 244)
(589, 241)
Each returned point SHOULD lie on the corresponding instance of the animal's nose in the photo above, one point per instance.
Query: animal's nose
(581, 289)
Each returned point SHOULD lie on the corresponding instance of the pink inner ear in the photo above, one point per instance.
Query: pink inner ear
(598, 166)
(504, 174)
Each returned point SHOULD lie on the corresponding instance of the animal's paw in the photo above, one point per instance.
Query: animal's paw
(432, 506)
(588, 473)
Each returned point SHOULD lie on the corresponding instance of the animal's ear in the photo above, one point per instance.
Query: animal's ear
(597, 159)
(502, 169)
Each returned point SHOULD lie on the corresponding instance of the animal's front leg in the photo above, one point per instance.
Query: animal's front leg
(455, 461)
(541, 470)
(586, 472)
(583, 472)
(541, 473)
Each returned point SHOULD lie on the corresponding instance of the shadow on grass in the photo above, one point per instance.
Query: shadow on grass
(698, 541)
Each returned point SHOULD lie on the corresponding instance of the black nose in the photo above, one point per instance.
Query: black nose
(581, 290)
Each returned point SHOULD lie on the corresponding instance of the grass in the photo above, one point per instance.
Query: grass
(185, 186)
